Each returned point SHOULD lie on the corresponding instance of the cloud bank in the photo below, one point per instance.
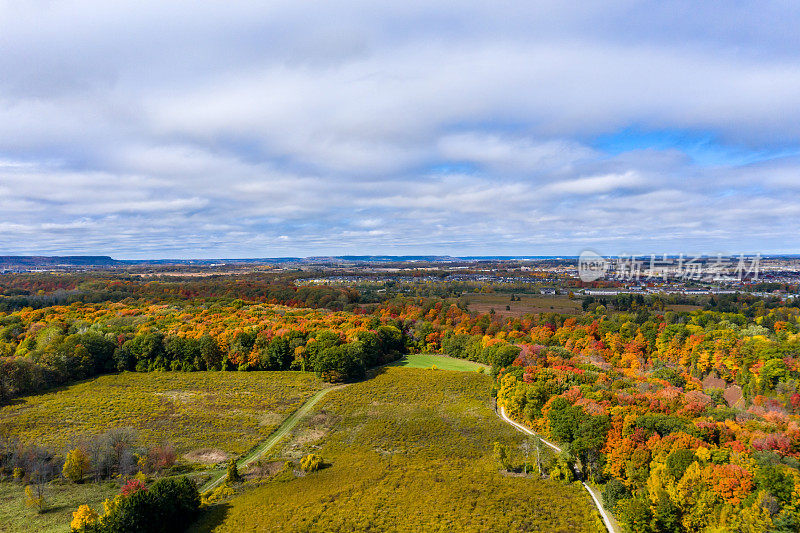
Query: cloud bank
(242, 129)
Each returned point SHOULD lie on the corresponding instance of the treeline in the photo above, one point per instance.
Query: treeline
(726, 303)
(472, 347)
(38, 291)
(324, 352)
(110, 455)
(53, 358)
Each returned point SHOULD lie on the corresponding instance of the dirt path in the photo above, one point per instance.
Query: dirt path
(607, 520)
(260, 450)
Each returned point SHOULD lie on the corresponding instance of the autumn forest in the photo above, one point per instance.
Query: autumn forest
(683, 420)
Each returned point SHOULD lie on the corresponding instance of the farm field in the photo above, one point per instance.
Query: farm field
(528, 303)
(441, 362)
(409, 450)
(63, 499)
(213, 414)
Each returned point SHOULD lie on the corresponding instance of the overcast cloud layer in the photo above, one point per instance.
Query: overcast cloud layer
(256, 129)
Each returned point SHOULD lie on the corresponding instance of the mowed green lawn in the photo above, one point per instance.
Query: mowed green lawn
(408, 450)
(225, 411)
(441, 362)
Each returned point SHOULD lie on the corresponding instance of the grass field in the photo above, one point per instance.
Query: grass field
(529, 303)
(441, 362)
(408, 450)
(62, 499)
(227, 412)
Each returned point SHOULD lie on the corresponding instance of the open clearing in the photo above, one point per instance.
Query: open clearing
(441, 362)
(407, 450)
(219, 412)
(529, 303)
(264, 447)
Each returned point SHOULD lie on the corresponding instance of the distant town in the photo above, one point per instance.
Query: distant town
(764, 276)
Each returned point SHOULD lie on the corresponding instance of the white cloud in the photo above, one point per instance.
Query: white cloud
(597, 184)
(238, 128)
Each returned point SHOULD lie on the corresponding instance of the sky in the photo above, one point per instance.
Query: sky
(216, 129)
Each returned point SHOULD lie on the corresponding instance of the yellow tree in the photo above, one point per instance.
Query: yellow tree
(76, 465)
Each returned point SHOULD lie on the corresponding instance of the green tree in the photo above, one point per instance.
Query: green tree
(634, 514)
(678, 461)
(210, 352)
(565, 419)
(614, 492)
(233, 475)
(278, 355)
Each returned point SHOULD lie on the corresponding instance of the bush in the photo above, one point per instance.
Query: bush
(223, 492)
(311, 462)
(131, 513)
(35, 498)
(502, 456)
(84, 519)
(167, 506)
(175, 502)
(233, 472)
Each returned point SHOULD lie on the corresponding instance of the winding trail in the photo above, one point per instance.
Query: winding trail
(261, 449)
(606, 519)
(291, 421)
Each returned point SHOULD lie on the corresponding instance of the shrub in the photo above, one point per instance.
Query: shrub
(35, 498)
(233, 472)
(175, 502)
(502, 456)
(221, 493)
(131, 513)
(167, 506)
(132, 486)
(311, 462)
(85, 518)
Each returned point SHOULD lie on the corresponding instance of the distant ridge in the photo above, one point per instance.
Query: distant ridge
(33, 262)
(29, 261)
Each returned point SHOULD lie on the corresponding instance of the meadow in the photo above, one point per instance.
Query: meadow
(63, 498)
(440, 362)
(527, 304)
(409, 450)
(206, 414)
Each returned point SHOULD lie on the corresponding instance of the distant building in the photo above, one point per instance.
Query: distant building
(601, 292)
(549, 290)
